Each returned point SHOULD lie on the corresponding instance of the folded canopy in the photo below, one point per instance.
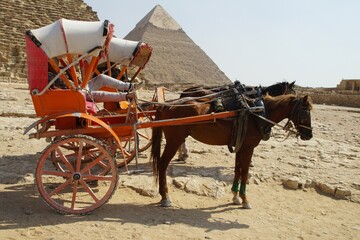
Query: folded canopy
(127, 52)
(69, 37)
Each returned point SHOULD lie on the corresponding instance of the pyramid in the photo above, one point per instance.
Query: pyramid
(19, 16)
(176, 59)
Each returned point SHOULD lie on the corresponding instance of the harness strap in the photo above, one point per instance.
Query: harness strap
(239, 131)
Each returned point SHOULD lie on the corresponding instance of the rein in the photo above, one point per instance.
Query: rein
(285, 127)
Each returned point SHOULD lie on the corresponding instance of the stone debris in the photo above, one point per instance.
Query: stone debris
(201, 186)
(342, 193)
(291, 183)
(326, 188)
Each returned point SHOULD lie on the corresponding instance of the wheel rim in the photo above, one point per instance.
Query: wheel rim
(83, 178)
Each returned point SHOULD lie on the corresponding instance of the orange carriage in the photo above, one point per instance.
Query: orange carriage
(77, 172)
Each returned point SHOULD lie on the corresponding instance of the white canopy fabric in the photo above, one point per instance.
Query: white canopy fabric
(121, 50)
(69, 36)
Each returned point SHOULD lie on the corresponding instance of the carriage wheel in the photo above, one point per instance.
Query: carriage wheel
(87, 179)
(128, 151)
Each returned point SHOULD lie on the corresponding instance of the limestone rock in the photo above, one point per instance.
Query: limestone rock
(342, 193)
(326, 188)
(291, 183)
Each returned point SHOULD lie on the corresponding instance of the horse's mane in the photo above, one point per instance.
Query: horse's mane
(273, 102)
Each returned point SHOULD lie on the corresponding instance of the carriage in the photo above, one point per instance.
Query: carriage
(77, 172)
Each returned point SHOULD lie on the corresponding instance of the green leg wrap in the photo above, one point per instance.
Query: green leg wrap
(243, 188)
(235, 187)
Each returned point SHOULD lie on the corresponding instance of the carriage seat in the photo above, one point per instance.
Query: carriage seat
(62, 100)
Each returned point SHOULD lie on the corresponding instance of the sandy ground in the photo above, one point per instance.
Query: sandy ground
(328, 162)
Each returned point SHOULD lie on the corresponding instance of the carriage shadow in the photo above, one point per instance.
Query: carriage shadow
(15, 169)
(22, 208)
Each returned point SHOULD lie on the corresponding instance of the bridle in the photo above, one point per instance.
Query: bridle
(300, 111)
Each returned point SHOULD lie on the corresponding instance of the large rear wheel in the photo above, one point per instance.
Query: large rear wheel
(83, 178)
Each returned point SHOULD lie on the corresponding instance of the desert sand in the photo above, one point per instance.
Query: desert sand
(326, 204)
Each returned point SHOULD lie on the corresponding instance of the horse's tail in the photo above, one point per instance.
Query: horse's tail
(155, 149)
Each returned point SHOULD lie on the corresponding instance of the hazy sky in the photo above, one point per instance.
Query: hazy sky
(315, 42)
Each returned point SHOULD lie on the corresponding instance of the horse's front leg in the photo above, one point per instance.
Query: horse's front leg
(235, 187)
(243, 159)
(163, 188)
(168, 154)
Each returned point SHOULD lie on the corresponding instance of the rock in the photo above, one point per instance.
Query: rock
(326, 188)
(180, 182)
(256, 181)
(28, 178)
(141, 184)
(342, 193)
(201, 186)
(28, 212)
(193, 186)
(309, 183)
(356, 186)
(291, 183)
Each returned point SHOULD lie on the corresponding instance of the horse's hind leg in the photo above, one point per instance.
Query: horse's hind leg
(183, 152)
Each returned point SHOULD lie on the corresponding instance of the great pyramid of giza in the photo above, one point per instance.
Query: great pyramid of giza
(176, 59)
(17, 16)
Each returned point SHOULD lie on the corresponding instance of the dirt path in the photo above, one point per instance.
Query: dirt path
(331, 158)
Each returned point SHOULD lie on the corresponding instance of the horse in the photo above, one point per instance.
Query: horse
(276, 89)
(219, 132)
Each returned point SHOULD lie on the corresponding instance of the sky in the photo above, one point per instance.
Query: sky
(260, 42)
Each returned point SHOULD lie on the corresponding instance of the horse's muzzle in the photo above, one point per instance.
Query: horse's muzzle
(306, 136)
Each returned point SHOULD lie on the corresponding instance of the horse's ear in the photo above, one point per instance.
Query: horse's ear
(292, 84)
(307, 101)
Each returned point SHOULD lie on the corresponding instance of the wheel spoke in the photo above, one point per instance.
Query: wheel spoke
(61, 187)
(145, 136)
(57, 173)
(92, 164)
(79, 157)
(64, 160)
(98, 177)
(74, 194)
(91, 193)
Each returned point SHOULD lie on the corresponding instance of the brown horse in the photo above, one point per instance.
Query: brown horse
(296, 109)
(280, 88)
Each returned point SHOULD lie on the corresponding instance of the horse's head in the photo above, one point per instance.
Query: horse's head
(301, 117)
(289, 87)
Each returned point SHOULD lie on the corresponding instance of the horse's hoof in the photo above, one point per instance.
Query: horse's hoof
(247, 205)
(237, 201)
(165, 203)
